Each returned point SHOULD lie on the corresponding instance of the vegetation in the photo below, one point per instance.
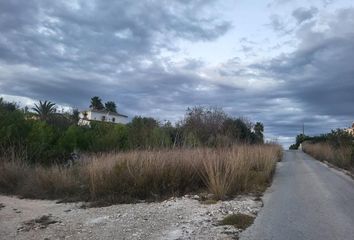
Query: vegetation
(44, 110)
(206, 151)
(96, 103)
(241, 221)
(146, 174)
(110, 106)
(46, 137)
(336, 147)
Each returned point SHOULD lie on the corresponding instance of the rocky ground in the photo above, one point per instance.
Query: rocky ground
(176, 218)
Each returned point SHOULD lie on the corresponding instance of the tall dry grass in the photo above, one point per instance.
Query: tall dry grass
(340, 156)
(125, 177)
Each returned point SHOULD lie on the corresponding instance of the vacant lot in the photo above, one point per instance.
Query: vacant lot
(146, 175)
(176, 218)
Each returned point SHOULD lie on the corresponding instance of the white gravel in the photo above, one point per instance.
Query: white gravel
(176, 218)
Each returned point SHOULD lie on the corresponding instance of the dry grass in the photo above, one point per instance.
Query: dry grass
(340, 156)
(152, 175)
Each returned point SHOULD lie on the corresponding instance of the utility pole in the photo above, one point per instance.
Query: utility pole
(303, 129)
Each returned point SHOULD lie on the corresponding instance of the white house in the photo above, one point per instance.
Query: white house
(350, 130)
(102, 116)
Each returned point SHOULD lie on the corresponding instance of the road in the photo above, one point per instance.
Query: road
(306, 201)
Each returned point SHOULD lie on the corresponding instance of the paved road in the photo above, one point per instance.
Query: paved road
(307, 200)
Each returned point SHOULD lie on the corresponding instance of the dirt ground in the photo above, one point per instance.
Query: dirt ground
(176, 218)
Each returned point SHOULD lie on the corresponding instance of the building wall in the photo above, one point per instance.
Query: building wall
(123, 120)
(350, 130)
(95, 116)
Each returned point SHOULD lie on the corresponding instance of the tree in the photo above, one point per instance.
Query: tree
(204, 123)
(141, 132)
(96, 103)
(237, 130)
(8, 106)
(258, 131)
(111, 106)
(75, 116)
(44, 110)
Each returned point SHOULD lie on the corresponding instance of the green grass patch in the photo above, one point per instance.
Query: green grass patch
(241, 221)
(209, 201)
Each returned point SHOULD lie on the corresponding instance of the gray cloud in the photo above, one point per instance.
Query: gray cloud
(303, 14)
(66, 34)
(277, 23)
(319, 74)
(68, 52)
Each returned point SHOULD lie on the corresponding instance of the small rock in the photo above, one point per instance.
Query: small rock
(196, 197)
(210, 196)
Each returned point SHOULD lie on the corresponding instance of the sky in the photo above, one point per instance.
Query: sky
(281, 62)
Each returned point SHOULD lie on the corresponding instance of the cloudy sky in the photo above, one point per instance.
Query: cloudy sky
(281, 62)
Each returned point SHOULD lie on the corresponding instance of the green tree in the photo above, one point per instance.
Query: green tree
(75, 116)
(205, 124)
(258, 131)
(237, 130)
(111, 106)
(8, 106)
(44, 110)
(141, 132)
(73, 138)
(96, 103)
(41, 143)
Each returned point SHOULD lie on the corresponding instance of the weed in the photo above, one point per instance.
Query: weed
(241, 221)
(209, 201)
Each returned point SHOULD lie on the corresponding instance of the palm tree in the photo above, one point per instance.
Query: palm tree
(96, 103)
(44, 109)
(111, 106)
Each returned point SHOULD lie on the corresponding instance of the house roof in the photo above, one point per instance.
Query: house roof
(104, 111)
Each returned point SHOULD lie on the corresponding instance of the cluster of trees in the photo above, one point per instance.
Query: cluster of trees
(335, 138)
(45, 136)
(96, 103)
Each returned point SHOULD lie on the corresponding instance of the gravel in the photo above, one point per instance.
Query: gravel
(176, 218)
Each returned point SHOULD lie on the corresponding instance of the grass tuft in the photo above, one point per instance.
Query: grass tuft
(240, 221)
(209, 201)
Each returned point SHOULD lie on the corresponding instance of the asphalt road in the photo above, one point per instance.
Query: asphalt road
(307, 200)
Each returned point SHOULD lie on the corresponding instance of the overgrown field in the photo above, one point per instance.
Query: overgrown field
(144, 174)
(340, 155)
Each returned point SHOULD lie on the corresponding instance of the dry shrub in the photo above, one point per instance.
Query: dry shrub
(340, 156)
(124, 177)
(12, 175)
(51, 182)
